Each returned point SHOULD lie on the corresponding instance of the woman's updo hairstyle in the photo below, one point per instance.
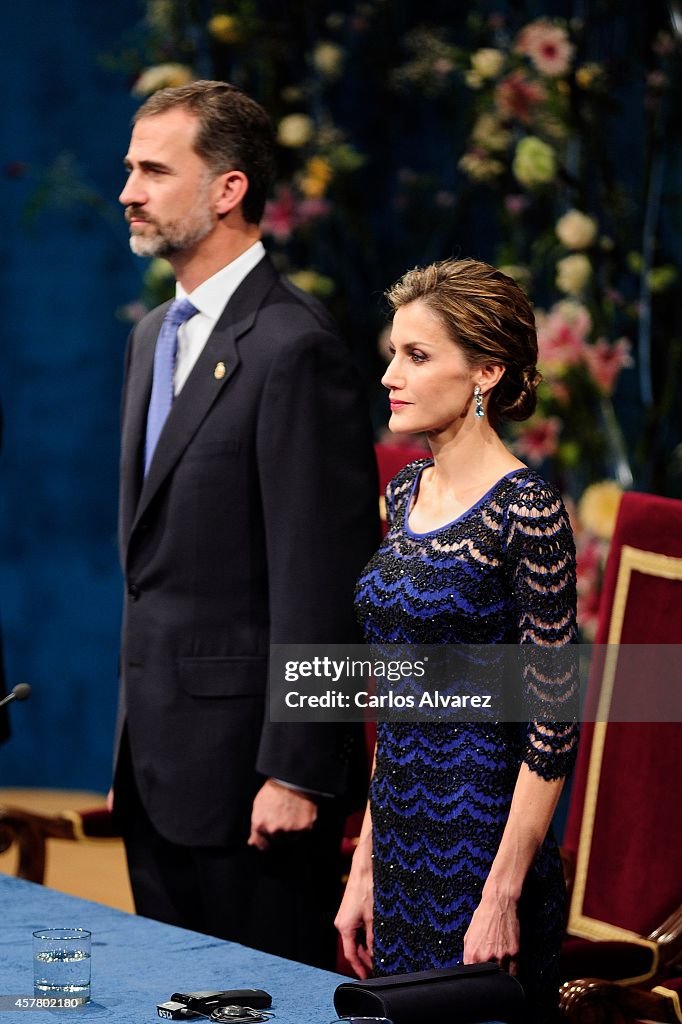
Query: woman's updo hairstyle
(490, 317)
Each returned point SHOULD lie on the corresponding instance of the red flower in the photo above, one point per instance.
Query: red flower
(517, 97)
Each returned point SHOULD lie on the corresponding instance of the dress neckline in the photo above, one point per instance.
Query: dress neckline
(428, 533)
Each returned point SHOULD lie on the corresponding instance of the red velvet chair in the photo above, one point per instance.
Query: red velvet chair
(624, 830)
(390, 460)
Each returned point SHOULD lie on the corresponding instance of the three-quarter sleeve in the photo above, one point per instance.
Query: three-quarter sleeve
(540, 553)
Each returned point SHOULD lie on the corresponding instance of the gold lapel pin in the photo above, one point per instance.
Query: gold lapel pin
(219, 371)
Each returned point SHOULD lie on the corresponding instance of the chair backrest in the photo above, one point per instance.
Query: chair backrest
(390, 460)
(624, 824)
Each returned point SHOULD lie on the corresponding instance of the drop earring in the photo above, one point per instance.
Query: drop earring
(478, 399)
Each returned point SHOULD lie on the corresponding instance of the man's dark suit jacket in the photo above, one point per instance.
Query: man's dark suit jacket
(257, 515)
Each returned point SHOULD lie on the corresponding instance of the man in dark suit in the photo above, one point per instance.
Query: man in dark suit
(244, 521)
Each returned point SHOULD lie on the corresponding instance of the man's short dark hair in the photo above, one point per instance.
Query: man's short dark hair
(235, 133)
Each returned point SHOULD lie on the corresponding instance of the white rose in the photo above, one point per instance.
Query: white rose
(162, 76)
(328, 58)
(576, 230)
(487, 62)
(295, 130)
(573, 273)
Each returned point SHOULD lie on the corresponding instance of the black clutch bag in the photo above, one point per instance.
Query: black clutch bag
(449, 995)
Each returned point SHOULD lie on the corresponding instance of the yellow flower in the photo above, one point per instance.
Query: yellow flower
(295, 130)
(473, 79)
(311, 281)
(576, 230)
(318, 174)
(573, 273)
(162, 76)
(158, 272)
(517, 272)
(588, 74)
(489, 133)
(534, 162)
(224, 28)
(487, 62)
(660, 278)
(479, 166)
(598, 508)
(159, 15)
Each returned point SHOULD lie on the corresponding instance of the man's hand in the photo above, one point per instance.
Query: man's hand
(278, 810)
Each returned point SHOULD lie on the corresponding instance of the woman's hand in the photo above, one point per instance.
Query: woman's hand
(494, 932)
(354, 919)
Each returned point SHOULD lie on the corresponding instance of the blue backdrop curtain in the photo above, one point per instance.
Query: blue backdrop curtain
(66, 268)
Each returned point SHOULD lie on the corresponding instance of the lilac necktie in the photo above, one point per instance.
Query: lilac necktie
(161, 399)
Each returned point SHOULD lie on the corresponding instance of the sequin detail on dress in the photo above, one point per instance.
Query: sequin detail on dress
(503, 572)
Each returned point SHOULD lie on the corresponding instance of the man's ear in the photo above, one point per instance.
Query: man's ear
(231, 188)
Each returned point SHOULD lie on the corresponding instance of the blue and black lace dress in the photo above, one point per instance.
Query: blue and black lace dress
(501, 573)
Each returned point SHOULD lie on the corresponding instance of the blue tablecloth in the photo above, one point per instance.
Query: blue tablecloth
(137, 963)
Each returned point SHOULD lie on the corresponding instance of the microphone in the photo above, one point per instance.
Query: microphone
(22, 691)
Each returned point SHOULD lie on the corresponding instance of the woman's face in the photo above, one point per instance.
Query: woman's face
(429, 381)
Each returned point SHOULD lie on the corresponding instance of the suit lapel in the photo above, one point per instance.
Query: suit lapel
(138, 389)
(202, 387)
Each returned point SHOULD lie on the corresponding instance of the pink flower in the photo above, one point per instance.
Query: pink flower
(286, 212)
(657, 80)
(133, 312)
(605, 361)
(539, 438)
(562, 334)
(515, 204)
(548, 47)
(590, 554)
(279, 219)
(588, 560)
(517, 97)
(309, 209)
(559, 391)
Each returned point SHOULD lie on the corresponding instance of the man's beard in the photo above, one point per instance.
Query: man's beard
(175, 235)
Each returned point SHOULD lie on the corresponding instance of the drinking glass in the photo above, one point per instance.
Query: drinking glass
(61, 964)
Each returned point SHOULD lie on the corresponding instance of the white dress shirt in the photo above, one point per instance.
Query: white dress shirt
(210, 299)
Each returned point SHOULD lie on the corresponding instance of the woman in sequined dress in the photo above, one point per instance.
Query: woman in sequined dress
(456, 860)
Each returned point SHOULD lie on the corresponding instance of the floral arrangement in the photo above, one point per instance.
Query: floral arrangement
(524, 111)
(575, 239)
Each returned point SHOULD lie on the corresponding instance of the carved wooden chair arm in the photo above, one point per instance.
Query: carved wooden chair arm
(29, 832)
(668, 937)
(594, 1001)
